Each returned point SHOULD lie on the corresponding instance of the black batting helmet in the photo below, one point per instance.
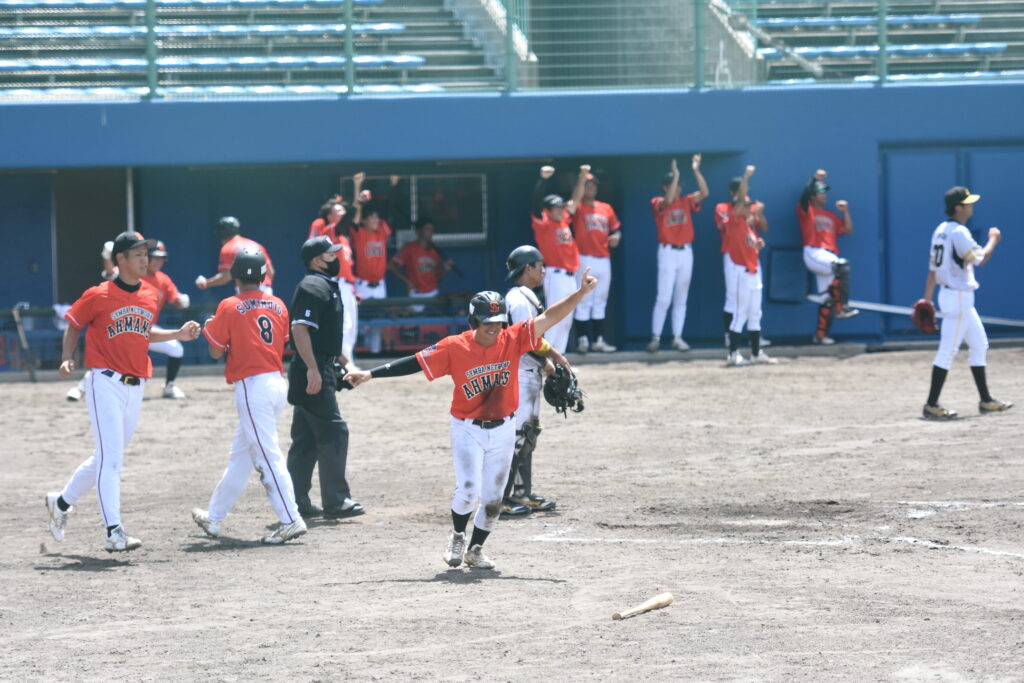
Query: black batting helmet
(250, 265)
(228, 226)
(487, 307)
(520, 258)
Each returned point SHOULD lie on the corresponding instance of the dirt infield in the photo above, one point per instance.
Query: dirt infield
(809, 524)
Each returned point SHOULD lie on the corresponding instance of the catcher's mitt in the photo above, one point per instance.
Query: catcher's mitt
(563, 392)
(923, 316)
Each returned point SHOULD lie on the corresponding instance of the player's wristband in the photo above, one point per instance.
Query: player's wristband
(401, 367)
(543, 347)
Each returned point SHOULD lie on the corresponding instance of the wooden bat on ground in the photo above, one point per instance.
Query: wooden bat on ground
(24, 343)
(657, 602)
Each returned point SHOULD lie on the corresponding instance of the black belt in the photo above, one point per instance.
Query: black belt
(367, 282)
(570, 273)
(130, 380)
(492, 424)
(678, 247)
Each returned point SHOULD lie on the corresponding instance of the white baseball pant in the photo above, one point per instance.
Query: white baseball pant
(730, 285)
(172, 348)
(370, 291)
(531, 383)
(748, 288)
(675, 268)
(114, 413)
(819, 261)
(350, 319)
(558, 284)
(595, 303)
(961, 323)
(422, 295)
(481, 458)
(259, 400)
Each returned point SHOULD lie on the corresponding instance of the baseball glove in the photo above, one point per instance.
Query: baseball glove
(923, 316)
(562, 390)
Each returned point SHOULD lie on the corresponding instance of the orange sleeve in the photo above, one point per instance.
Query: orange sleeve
(218, 330)
(82, 311)
(436, 360)
(227, 256)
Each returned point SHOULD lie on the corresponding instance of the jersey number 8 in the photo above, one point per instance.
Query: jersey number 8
(266, 329)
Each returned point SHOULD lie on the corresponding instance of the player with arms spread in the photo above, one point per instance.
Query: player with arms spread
(251, 329)
(119, 315)
(483, 363)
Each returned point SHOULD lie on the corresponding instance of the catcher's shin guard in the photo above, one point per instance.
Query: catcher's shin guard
(841, 283)
(826, 314)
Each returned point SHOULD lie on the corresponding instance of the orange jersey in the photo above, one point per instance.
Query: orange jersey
(486, 377)
(675, 221)
(165, 286)
(422, 266)
(555, 241)
(819, 227)
(252, 327)
(231, 247)
(741, 243)
(119, 323)
(723, 212)
(591, 226)
(371, 251)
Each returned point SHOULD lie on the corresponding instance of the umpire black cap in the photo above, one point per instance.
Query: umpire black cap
(487, 307)
(228, 226)
(250, 265)
(520, 258)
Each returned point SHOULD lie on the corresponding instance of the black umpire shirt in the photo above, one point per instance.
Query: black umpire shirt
(317, 305)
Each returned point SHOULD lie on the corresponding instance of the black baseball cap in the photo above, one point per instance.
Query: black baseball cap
(129, 240)
(734, 184)
(553, 200)
(315, 246)
(158, 249)
(958, 195)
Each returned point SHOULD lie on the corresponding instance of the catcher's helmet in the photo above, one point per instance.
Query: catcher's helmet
(250, 265)
(520, 258)
(228, 226)
(487, 307)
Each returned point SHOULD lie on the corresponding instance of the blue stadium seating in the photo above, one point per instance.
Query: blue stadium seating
(893, 50)
(140, 4)
(258, 62)
(236, 91)
(849, 22)
(195, 30)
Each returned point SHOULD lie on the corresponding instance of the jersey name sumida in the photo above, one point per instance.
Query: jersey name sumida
(953, 255)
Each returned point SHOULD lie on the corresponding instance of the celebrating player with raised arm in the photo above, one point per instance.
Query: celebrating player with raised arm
(483, 363)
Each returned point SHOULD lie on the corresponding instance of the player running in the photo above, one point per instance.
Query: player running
(251, 329)
(954, 254)
(483, 363)
(231, 241)
(119, 315)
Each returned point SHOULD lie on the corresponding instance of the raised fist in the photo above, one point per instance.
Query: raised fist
(201, 282)
(820, 174)
(108, 251)
(184, 300)
(584, 169)
(842, 205)
(359, 178)
(547, 171)
(695, 162)
(749, 171)
(995, 234)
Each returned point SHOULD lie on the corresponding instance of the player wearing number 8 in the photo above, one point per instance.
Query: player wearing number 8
(251, 329)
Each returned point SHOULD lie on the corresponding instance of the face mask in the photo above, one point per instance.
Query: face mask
(332, 268)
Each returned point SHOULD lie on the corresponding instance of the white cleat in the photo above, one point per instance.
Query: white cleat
(476, 559)
(171, 391)
(603, 346)
(652, 346)
(765, 342)
(285, 532)
(847, 313)
(456, 547)
(736, 359)
(583, 345)
(202, 519)
(763, 358)
(825, 341)
(76, 392)
(118, 541)
(679, 345)
(58, 519)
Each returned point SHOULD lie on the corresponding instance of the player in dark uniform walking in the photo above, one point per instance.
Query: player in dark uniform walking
(483, 363)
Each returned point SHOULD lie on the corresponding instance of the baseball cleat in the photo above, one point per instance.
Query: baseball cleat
(58, 518)
(534, 502)
(285, 532)
(171, 391)
(603, 346)
(510, 508)
(763, 358)
(736, 359)
(825, 341)
(652, 346)
(847, 313)
(75, 393)
(349, 508)
(456, 546)
(938, 413)
(202, 518)
(583, 345)
(679, 345)
(118, 541)
(765, 342)
(994, 406)
(476, 559)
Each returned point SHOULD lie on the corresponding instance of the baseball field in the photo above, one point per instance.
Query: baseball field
(809, 524)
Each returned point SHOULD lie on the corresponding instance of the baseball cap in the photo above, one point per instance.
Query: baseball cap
(158, 249)
(734, 184)
(959, 195)
(315, 246)
(821, 187)
(129, 240)
(553, 200)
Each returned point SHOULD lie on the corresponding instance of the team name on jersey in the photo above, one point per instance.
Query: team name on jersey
(374, 249)
(130, 319)
(246, 305)
(563, 235)
(823, 223)
(485, 377)
(426, 264)
(675, 217)
(596, 221)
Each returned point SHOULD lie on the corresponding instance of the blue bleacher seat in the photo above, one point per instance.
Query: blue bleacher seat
(13, 5)
(852, 22)
(893, 50)
(202, 31)
(258, 62)
(186, 91)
